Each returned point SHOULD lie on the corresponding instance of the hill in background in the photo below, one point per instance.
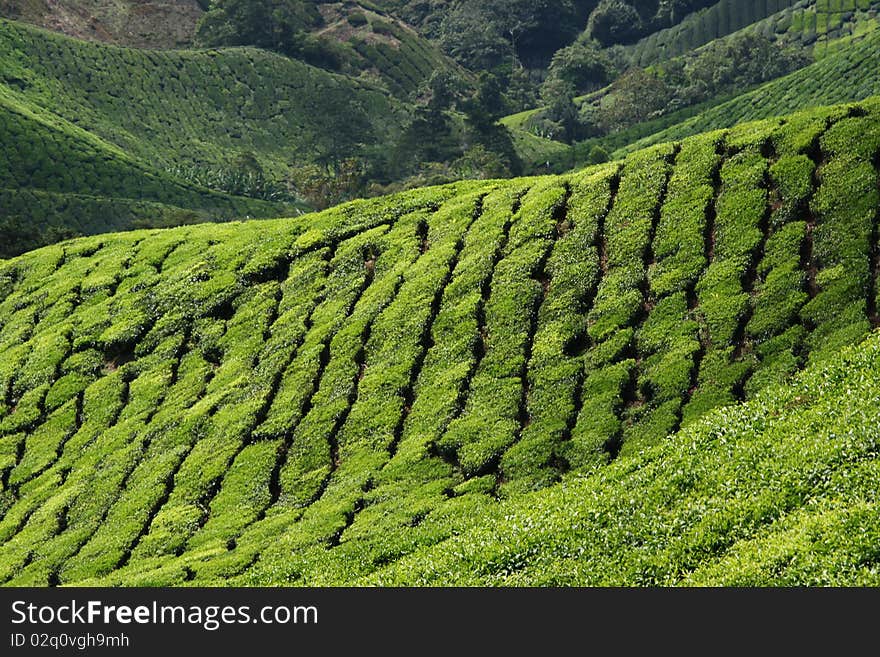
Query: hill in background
(139, 127)
(278, 132)
(267, 114)
(705, 71)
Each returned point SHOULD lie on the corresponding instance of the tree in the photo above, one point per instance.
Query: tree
(582, 65)
(533, 24)
(521, 91)
(558, 96)
(343, 133)
(271, 24)
(635, 96)
(442, 91)
(427, 138)
(470, 35)
(482, 112)
(479, 163)
(488, 104)
(598, 155)
(614, 21)
(247, 162)
(497, 35)
(322, 187)
(429, 135)
(739, 61)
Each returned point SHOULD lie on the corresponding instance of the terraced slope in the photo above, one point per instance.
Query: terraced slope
(849, 71)
(372, 42)
(313, 400)
(683, 513)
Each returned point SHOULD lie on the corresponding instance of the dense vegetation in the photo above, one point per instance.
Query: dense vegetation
(810, 23)
(472, 383)
(299, 105)
(683, 513)
(57, 180)
(651, 87)
(242, 122)
(95, 136)
(204, 108)
(355, 40)
(852, 73)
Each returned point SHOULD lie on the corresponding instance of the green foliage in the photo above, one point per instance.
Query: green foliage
(792, 176)
(697, 29)
(238, 182)
(685, 513)
(597, 155)
(59, 181)
(739, 62)
(264, 23)
(582, 65)
(197, 108)
(107, 138)
(490, 379)
(614, 21)
(348, 44)
(620, 21)
(847, 75)
(496, 34)
(636, 96)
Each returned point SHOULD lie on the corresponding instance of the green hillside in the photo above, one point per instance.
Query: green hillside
(202, 108)
(852, 73)
(814, 24)
(683, 513)
(469, 383)
(98, 138)
(363, 99)
(362, 39)
(838, 65)
(57, 179)
(354, 38)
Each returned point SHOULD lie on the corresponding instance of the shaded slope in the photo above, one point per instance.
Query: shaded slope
(98, 138)
(201, 108)
(311, 400)
(57, 179)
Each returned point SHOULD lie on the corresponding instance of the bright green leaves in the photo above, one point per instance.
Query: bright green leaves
(310, 401)
(845, 205)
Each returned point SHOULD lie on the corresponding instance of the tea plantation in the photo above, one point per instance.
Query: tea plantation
(56, 176)
(660, 370)
(194, 107)
(846, 70)
(99, 138)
